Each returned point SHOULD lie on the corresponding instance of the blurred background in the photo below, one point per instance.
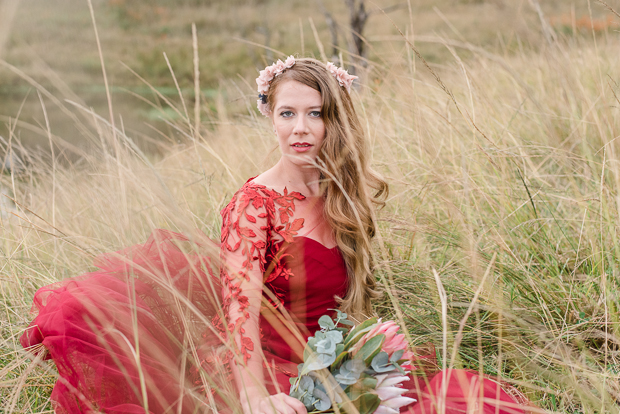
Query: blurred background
(53, 44)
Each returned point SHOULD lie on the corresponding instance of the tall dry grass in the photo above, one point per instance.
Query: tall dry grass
(499, 243)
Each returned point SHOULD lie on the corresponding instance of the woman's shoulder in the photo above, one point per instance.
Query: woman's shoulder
(257, 195)
(269, 182)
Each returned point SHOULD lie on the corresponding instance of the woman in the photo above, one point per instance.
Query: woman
(314, 204)
(295, 245)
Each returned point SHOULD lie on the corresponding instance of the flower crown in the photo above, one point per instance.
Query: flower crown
(270, 72)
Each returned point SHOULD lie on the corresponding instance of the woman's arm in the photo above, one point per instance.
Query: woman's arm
(243, 245)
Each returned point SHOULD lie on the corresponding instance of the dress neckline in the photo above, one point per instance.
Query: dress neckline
(251, 183)
(317, 242)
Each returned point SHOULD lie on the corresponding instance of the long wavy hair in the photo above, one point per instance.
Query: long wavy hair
(352, 190)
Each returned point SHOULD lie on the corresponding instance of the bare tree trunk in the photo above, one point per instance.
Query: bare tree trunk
(264, 30)
(333, 29)
(358, 16)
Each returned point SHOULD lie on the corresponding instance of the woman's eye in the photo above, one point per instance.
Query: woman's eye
(286, 114)
(315, 114)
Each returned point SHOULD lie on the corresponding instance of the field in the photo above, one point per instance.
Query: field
(499, 242)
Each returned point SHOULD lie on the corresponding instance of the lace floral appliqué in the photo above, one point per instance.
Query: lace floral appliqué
(256, 225)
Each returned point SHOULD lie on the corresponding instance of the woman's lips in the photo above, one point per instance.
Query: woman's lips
(301, 146)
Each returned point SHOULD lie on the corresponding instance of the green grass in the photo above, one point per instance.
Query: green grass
(504, 183)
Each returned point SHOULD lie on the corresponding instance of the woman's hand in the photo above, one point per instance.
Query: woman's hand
(274, 404)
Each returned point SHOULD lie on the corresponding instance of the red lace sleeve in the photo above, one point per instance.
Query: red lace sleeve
(254, 220)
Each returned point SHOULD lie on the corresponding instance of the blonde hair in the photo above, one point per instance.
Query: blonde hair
(351, 188)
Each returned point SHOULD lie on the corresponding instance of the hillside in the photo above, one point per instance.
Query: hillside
(54, 43)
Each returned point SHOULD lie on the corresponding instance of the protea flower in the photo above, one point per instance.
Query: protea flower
(393, 341)
(390, 393)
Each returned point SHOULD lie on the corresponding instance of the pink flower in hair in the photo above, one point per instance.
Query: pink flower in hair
(289, 62)
(263, 83)
(279, 67)
(270, 72)
(331, 67)
(263, 108)
(341, 75)
(264, 80)
(266, 75)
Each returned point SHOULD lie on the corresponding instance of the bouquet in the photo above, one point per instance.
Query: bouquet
(356, 368)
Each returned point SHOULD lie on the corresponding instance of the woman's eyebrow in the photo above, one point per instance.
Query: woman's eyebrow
(290, 107)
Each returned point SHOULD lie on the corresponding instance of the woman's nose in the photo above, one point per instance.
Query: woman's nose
(301, 126)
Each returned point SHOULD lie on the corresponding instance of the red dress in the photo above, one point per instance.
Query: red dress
(153, 302)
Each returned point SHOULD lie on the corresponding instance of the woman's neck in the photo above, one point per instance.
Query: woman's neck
(300, 178)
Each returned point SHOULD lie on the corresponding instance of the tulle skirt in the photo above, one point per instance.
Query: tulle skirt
(144, 334)
(136, 335)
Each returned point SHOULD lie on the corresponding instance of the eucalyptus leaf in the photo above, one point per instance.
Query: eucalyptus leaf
(326, 346)
(312, 343)
(343, 318)
(318, 385)
(350, 372)
(339, 349)
(345, 379)
(306, 384)
(318, 361)
(362, 386)
(335, 336)
(296, 392)
(326, 322)
(355, 365)
(381, 363)
(397, 355)
(308, 400)
(323, 402)
(301, 387)
(310, 348)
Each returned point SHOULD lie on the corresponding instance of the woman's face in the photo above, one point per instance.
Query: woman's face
(297, 121)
